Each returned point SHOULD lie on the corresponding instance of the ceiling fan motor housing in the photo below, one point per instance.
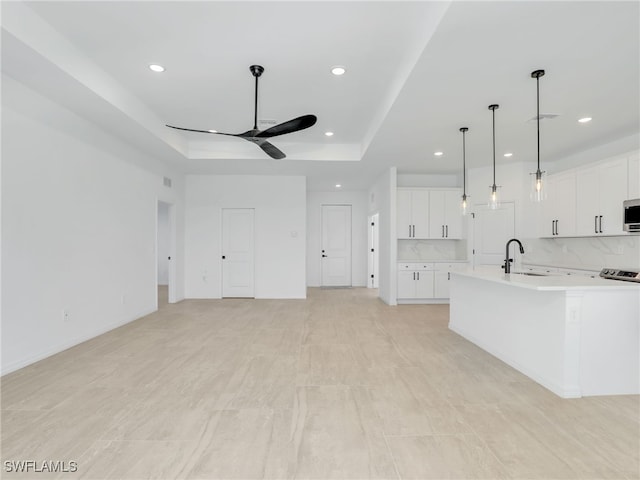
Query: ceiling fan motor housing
(256, 70)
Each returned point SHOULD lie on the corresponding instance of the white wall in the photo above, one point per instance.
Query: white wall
(280, 232)
(358, 202)
(78, 227)
(164, 243)
(382, 200)
(618, 147)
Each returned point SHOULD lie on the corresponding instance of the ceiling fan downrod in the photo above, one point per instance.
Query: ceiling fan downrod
(256, 71)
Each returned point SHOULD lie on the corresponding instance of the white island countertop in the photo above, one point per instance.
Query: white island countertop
(546, 281)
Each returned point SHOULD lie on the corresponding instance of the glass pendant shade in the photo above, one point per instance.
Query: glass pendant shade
(538, 190)
(464, 206)
(494, 199)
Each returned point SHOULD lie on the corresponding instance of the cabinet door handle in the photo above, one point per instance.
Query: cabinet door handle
(414, 231)
(418, 274)
(553, 227)
(447, 230)
(600, 223)
(595, 224)
(442, 231)
(557, 221)
(448, 275)
(414, 275)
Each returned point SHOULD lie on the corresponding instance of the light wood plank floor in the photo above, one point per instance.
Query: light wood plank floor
(338, 386)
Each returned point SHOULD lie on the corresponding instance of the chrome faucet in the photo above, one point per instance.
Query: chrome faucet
(507, 264)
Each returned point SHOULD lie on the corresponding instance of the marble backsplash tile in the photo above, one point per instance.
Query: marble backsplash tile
(432, 250)
(589, 253)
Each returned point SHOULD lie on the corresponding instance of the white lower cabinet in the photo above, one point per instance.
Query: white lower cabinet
(425, 281)
(415, 281)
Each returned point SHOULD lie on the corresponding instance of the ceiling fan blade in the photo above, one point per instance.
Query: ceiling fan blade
(203, 131)
(291, 126)
(270, 150)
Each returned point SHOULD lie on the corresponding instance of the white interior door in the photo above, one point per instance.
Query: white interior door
(336, 245)
(237, 252)
(492, 230)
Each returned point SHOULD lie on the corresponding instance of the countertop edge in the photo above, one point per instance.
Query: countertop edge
(536, 283)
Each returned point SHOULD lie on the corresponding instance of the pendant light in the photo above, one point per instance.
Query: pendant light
(538, 192)
(493, 196)
(463, 206)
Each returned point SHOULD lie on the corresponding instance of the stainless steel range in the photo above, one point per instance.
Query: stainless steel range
(616, 274)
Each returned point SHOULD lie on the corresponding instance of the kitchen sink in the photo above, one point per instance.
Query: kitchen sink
(530, 274)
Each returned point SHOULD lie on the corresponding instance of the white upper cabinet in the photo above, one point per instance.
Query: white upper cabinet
(445, 220)
(601, 189)
(412, 213)
(559, 209)
(404, 227)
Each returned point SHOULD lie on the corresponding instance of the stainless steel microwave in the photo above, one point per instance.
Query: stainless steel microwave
(632, 215)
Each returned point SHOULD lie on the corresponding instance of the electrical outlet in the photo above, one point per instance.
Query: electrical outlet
(65, 315)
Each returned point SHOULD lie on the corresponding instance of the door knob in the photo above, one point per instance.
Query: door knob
(323, 255)
(223, 257)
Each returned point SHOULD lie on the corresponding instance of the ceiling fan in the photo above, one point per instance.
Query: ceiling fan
(259, 137)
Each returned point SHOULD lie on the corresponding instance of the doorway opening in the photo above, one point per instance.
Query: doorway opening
(336, 245)
(374, 255)
(165, 247)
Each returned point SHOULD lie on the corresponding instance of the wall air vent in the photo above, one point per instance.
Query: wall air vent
(543, 116)
(166, 181)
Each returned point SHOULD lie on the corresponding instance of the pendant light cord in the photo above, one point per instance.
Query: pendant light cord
(493, 111)
(538, 116)
(464, 165)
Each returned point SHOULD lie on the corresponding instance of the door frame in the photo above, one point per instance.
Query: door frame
(373, 253)
(171, 274)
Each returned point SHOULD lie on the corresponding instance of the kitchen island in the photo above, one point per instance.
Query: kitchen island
(576, 336)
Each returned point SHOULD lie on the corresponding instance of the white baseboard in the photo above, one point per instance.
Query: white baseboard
(36, 357)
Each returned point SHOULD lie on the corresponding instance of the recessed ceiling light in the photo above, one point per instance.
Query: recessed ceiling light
(338, 70)
(438, 154)
(508, 154)
(156, 68)
(329, 134)
(585, 120)
(212, 131)
(338, 185)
